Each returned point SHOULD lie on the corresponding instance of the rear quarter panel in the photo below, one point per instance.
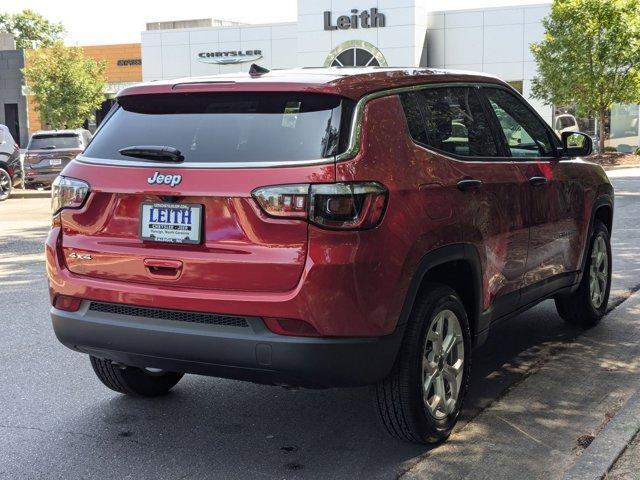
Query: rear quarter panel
(420, 216)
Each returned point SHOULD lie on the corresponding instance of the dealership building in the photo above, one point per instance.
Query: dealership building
(372, 32)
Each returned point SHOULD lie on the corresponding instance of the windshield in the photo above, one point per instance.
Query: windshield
(51, 141)
(225, 127)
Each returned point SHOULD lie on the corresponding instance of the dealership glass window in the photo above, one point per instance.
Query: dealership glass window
(450, 120)
(355, 57)
(227, 127)
(524, 132)
(624, 122)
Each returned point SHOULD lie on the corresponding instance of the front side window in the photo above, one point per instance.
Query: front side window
(453, 121)
(525, 134)
(226, 127)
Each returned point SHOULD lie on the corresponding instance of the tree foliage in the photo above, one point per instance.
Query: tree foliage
(68, 88)
(589, 56)
(30, 29)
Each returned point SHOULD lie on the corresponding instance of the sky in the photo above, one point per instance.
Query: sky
(121, 21)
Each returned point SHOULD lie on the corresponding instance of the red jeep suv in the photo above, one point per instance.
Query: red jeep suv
(321, 228)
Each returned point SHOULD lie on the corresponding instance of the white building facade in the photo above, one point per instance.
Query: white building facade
(396, 33)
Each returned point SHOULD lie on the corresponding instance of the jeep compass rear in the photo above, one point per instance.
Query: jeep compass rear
(319, 228)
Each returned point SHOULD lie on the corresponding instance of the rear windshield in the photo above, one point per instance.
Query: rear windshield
(226, 127)
(51, 141)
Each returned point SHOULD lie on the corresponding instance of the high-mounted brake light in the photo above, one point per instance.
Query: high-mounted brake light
(68, 193)
(337, 206)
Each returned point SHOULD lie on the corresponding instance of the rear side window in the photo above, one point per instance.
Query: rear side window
(52, 141)
(450, 120)
(226, 127)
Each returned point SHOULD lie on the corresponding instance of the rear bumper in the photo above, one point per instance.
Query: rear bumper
(34, 179)
(250, 352)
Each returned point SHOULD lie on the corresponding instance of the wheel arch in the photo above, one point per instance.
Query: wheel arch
(457, 266)
(602, 210)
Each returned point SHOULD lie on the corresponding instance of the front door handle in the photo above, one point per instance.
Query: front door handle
(537, 181)
(468, 184)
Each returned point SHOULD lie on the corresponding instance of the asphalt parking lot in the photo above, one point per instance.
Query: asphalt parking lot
(58, 421)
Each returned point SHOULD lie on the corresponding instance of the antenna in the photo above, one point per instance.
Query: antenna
(256, 70)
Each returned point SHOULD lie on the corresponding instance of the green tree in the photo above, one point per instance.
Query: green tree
(590, 56)
(30, 29)
(68, 88)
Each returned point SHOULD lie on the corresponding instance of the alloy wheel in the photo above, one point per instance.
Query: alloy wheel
(443, 364)
(5, 184)
(598, 271)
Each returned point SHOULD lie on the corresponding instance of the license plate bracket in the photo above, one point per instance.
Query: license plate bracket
(171, 222)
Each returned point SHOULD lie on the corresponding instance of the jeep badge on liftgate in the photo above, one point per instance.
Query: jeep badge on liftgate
(159, 179)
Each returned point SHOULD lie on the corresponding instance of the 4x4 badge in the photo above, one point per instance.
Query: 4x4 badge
(160, 179)
(80, 256)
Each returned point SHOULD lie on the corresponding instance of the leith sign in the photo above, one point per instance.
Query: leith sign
(365, 19)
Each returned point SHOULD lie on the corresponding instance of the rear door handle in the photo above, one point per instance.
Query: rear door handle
(537, 181)
(468, 184)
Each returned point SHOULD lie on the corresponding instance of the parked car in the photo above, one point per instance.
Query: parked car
(10, 165)
(566, 123)
(323, 228)
(49, 151)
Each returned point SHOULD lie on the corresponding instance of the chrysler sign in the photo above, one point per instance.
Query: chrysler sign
(232, 56)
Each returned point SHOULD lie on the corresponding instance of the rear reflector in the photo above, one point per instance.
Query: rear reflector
(67, 303)
(290, 327)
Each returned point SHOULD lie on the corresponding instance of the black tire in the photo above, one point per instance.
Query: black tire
(6, 184)
(132, 380)
(578, 308)
(399, 398)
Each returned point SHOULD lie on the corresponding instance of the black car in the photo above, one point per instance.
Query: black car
(49, 152)
(10, 166)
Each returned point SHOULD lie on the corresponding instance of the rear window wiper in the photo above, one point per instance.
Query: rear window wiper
(159, 153)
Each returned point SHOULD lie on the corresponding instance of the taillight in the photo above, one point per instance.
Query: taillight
(283, 201)
(338, 206)
(68, 193)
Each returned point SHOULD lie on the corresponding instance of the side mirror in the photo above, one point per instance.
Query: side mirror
(576, 144)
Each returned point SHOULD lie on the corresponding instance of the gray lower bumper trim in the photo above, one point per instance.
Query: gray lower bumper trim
(253, 354)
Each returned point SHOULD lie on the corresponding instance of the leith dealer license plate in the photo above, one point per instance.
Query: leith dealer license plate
(170, 222)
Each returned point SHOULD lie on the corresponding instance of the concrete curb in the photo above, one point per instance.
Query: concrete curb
(606, 448)
(618, 167)
(22, 194)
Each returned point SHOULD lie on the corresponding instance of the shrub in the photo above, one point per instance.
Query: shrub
(610, 149)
